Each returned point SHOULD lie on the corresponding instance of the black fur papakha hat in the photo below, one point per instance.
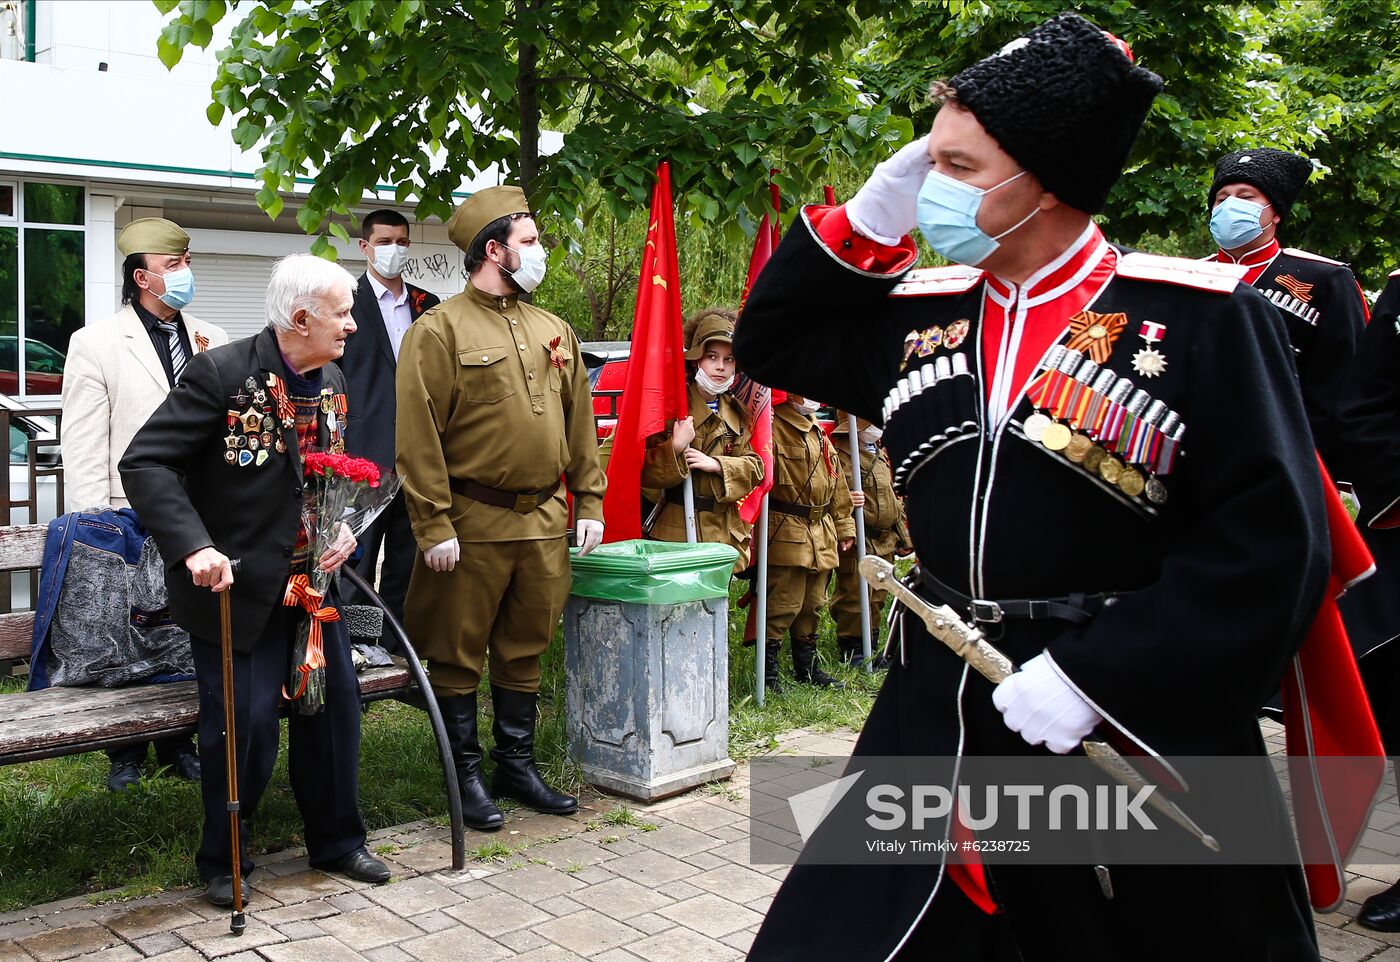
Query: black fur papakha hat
(1066, 102)
(1279, 174)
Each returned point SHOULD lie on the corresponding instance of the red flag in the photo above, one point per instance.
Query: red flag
(654, 393)
(754, 398)
(777, 199)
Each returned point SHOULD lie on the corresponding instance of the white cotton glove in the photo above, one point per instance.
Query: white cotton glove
(887, 205)
(587, 535)
(443, 557)
(1039, 705)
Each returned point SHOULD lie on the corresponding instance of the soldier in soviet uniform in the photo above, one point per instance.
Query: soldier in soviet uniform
(494, 409)
(1318, 298)
(809, 518)
(713, 445)
(885, 534)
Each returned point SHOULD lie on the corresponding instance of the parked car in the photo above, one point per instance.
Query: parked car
(43, 367)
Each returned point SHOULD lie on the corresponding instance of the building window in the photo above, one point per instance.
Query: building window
(42, 284)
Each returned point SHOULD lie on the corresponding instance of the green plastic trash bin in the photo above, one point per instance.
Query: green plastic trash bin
(646, 632)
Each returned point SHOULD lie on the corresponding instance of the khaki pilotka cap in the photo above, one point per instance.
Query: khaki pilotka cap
(712, 327)
(153, 235)
(480, 209)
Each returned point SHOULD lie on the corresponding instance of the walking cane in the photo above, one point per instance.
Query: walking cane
(239, 922)
(857, 483)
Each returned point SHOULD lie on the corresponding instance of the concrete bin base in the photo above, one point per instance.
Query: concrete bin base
(648, 694)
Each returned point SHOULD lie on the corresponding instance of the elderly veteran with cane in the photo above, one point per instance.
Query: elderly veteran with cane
(216, 475)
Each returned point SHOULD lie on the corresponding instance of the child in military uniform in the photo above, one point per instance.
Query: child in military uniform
(809, 516)
(713, 446)
(886, 535)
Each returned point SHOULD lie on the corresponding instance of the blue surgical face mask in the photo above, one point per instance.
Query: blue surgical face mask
(948, 218)
(179, 288)
(1235, 222)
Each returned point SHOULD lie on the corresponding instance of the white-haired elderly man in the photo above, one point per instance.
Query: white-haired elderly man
(215, 474)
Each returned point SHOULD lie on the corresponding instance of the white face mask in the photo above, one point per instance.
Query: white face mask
(389, 259)
(532, 264)
(710, 385)
(870, 435)
(810, 406)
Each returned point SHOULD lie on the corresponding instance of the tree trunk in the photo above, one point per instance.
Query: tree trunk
(527, 87)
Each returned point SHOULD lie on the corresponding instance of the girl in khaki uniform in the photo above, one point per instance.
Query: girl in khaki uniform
(809, 516)
(713, 445)
(886, 535)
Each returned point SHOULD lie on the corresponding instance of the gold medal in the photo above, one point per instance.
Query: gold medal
(1094, 457)
(1130, 482)
(1056, 437)
(1109, 468)
(1078, 448)
(1156, 491)
(1035, 426)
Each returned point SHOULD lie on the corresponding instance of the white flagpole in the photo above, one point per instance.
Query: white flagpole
(761, 616)
(856, 485)
(690, 532)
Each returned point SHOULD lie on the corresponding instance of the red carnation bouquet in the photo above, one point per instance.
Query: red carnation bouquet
(345, 493)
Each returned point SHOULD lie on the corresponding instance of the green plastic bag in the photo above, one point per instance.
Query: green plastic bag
(654, 572)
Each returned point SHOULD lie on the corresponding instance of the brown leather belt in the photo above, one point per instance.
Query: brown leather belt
(808, 512)
(676, 495)
(517, 502)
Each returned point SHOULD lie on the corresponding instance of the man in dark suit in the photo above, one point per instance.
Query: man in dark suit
(385, 306)
(216, 474)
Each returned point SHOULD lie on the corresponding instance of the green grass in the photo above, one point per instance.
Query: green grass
(63, 834)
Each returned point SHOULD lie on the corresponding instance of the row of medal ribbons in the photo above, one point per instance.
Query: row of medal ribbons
(931, 405)
(1104, 424)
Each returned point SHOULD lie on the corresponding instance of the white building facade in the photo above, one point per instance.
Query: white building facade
(95, 132)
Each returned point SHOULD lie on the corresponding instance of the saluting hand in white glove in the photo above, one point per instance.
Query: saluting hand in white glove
(887, 205)
(443, 557)
(587, 535)
(1039, 705)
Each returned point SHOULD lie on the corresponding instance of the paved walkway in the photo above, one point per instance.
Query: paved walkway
(669, 882)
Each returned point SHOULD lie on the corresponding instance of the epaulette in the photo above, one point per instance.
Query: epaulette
(937, 280)
(1395, 273)
(1309, 255)
(1202, 275)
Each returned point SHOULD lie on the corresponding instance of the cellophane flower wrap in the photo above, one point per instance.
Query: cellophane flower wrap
(342, 491)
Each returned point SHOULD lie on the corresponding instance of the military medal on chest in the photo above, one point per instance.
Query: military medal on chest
(1150, 362)
(1102, 423)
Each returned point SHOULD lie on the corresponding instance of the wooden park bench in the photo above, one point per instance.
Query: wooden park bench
(69, 721)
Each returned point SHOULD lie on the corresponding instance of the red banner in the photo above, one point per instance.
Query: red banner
(654, 393)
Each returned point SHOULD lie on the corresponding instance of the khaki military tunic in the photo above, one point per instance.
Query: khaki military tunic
(885, 533)
(494, 391)
(724, 436)
(803, 552)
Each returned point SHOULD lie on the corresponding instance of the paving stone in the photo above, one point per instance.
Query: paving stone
(349, 902)
(534, 883)
(650, 923)
(737, 852)
(651, 868)
(11, 952)
(151, 919)
(1337, 945)
(498, 913)
(741, 940)
(736, 883)
(473, 889)
(369, 928)
(621, 898)
(682, 945)
(21, 929)
(291, 866)
(185, 954)
(65, 943)
(213, 939)
(702, 816)
(301, 931)
(711, 915)
(413, 896)
(524, 940)
(617, 955)
(324, 949)
(434, 921)
(1389, 955)
(705, 861)
(678, 840)
(301, 887)
(431, 856)
(117, 953)
(680, 891)
(623, 846)
(587, 932)
(300, 912)
(158, 943)
(547, 953)
(736, 832)
(388, 953)
(559, 905)
(576, 851)
(455, 945)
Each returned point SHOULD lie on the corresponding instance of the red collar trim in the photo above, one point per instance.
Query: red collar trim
(1260, 255)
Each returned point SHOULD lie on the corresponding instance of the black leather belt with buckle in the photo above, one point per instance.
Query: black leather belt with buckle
(1077, 609)
(519, 502)
(808, 512)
